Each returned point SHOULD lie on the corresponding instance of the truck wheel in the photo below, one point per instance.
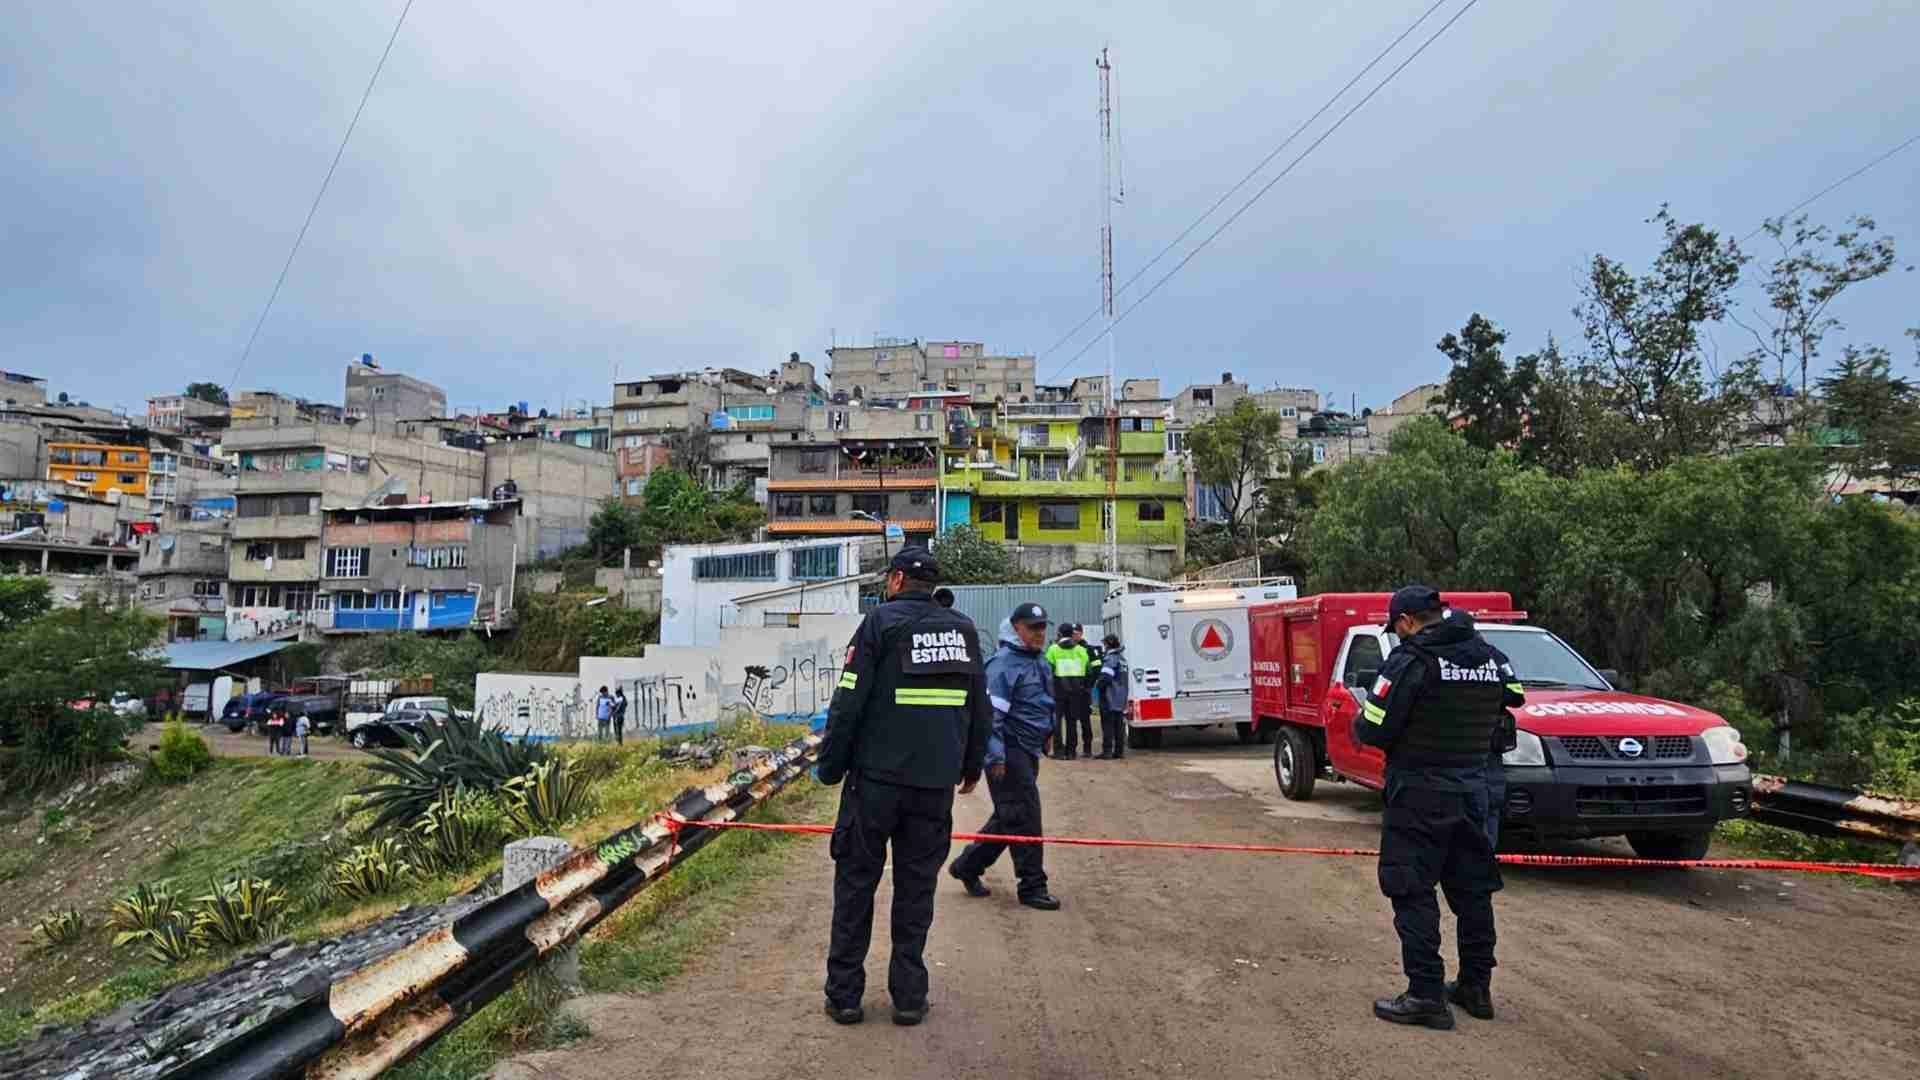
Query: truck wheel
(1244, 731)
(1294, 764)
(1671, 845)
(360, 739)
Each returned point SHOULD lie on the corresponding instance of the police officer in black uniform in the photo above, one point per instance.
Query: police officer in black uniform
(1436, 708)
(909, 721)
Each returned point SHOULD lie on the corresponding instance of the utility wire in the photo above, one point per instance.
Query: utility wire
(1281, 175)
(311, 210)
(1808, 201)
(1251, 173)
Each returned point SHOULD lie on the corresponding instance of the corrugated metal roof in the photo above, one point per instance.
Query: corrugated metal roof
(850, 527)
(215, 655)
(988, 605)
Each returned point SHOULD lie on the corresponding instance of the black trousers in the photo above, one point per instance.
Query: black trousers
(1072, 705)
(1113, 732)
(918, 822)
(1016, 812)
(1434, 836)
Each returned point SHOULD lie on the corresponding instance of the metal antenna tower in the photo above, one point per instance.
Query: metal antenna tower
(1112, 510)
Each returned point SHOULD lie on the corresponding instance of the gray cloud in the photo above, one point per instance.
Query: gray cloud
(539, 196)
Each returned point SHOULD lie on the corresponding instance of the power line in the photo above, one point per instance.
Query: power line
(1251, 173)
(1268, 186)
(311, 210)
(1809, 200)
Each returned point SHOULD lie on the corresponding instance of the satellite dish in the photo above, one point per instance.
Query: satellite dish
(166, 543)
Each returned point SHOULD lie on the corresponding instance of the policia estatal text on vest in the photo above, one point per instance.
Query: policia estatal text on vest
(909, 721)
(1438, 707)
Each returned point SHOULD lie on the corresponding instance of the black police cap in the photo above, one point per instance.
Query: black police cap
(1412, 600)
(916, 563)
(1028, 614)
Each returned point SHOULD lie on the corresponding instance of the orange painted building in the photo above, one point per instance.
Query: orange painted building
(101, 468)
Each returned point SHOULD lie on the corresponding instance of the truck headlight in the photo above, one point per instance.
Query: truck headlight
(1527, 750)
(1724, 745)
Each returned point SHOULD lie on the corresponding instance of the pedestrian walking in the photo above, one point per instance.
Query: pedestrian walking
(602, 714)
(276, 723)
(909, 721)
(620, 715)
(1436, 709)
(1020, 688)
(1113, 685)
(1068, 660)
(301, 727)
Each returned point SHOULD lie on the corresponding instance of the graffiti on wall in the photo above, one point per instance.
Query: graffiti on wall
(536, 706)
(250, 623)
(659, 703)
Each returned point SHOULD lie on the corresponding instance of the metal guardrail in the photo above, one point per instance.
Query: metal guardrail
(372, 1019)
(1835, 811)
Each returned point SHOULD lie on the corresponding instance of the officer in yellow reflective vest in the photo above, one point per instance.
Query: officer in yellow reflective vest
(1072, 698)
(909, 721)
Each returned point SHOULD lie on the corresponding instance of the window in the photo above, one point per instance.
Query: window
(923, 421)
(633, 416)
(980, 389)
(754, 566)
(351, 601)
(788, 505)
(819, 505)
(290, 549)
(870, 504)
(85, 477)
(389, 600)
(631, 442)
(209, 588)
(1153, 511)
(453, 557)
(992, 512)
(129, 457)
(816, 563)
(1013, 388)
(633, 485)
(837, 419)
(127, 478)
(1060, 516)
(780, 618)
(1319, 453)
(1033, 435)
(750, 412)
(89, 457)
(1363, 661)
(1289, 412)
(814, 461)
(1203, 397)
(347, 562)
(1045, 470)
(1176, 442)
(260, 552)
(919, 497)
(929, 386)
(299, 598)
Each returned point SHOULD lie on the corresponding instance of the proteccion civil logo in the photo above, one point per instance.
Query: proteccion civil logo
(1212, 639)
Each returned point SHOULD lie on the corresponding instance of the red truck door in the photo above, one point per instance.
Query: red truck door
(1359, 661)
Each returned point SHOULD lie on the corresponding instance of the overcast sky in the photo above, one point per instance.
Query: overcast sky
(540, 195)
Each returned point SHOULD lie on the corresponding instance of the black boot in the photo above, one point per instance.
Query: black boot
(1043, 902)
(1473, 997)
(845, 1016)
(974, 886)
(1407, 1009)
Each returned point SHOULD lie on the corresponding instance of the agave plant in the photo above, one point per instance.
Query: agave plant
(548, 796)
(445, 755)
(459, 829)
(143, 909)
(168, 942)
(61, 927)
(239, 912)
(372, 870)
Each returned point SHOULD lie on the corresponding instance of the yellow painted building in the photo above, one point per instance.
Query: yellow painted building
(101, 468)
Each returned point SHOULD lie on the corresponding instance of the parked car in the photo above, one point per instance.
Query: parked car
(321, 710)
(249, 710)
(127, 706)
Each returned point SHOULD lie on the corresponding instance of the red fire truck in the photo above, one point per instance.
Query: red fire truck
(1590, 761)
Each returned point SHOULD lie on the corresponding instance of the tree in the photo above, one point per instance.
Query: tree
(968, 558)
(1490, 400)
(23, 599)
(1235, 453)
(62, 670)
(672, 510)
(1802, 285)
(1876, 415)
(210, 392)
(615, 527)
(1644, 343)
(1571, 423)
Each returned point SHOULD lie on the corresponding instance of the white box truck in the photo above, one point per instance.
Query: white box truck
(1189, 655)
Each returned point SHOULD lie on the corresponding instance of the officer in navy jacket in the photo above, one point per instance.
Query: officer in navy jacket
(1439, 704)
(909, 721)
(1020, 687)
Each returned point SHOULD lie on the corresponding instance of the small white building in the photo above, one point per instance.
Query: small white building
(706, 587)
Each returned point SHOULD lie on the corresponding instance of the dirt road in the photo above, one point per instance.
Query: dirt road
(1221, 965)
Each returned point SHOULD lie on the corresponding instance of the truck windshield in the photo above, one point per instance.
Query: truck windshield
(1542, 660)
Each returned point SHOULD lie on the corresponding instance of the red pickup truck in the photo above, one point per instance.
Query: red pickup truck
(1590, 761)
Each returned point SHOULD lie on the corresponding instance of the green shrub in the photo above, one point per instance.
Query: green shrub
(145, 908)
(239, 912)
(372, 869)
(460, 829)
(181, 753)
(61, 927)
(550, 795)
(450, 755)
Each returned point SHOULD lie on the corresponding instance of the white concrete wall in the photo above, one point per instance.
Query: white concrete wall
(693, 613)
(539, 705)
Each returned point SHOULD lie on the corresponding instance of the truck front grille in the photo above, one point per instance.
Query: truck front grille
(1607, 748)
(1635, 800)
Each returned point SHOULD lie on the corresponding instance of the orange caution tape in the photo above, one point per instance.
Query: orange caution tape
(1880, 870)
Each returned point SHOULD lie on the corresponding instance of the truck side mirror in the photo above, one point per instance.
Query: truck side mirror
(1612, 677)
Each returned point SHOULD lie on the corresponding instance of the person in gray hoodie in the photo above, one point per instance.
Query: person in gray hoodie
(1112, 686)
(1020, 688)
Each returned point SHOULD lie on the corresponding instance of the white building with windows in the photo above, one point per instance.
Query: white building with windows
(782, 583)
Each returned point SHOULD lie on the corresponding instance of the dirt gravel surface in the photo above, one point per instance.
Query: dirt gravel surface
(245, 744)
(1230, 965)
